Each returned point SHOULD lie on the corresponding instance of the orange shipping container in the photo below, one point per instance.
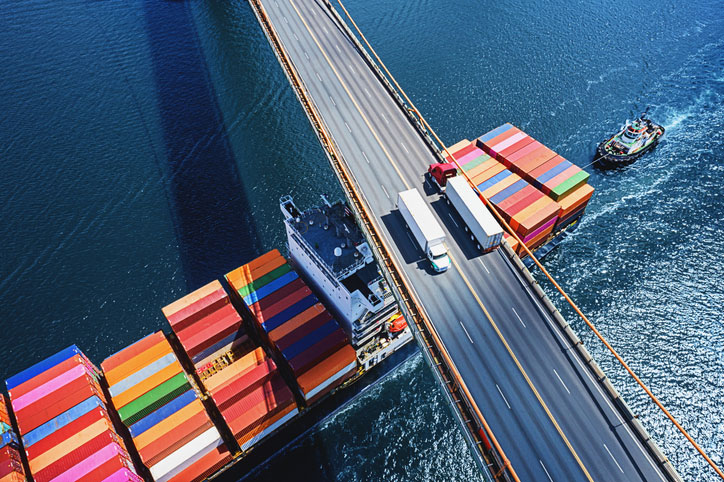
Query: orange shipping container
(529, 211)
(299, 320)
(145, 386)
(239, 367)
(68, 445)
(191, 298)
(496, 188)
(321, 372)
(481, 168)
(168, 424)
(488, 173)
(575, 200)
(129, 352)
(247, 434)
(458, 146)
(161, 349)
(238, 276)
(538, 219)
(242, 278)
(499, 138)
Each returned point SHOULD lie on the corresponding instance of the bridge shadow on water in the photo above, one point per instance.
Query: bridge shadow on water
(214, 226)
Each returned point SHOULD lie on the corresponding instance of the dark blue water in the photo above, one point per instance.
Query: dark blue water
(144, 146)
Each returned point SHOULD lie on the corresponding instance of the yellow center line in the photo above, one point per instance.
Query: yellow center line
(457, 266)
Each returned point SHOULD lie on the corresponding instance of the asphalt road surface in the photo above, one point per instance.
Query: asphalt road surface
(552, 420)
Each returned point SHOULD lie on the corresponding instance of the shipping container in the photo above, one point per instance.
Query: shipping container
(534, 221)
(486, 171)
(186, 455)
(206, 465)
(71, 453)
(108, 468)
(92, 462)
(167, 424)
(175, 439)
(142, 374)
(238, 367)
(503, 175)
(258, 406)
(317, 352)
(296, 322)
(154, 399)
(42, 366)
(66, 432)
(50, 374)
(61, 420)
(281, 305)
(497, 148)
(575, 200)
(566, 187)
(258, 432)
(146, 385)
(483, 160)
(238, 277)
(213, 299)
(241, 385)
(494, 189)
(308, 341)
(256, 284)
(285, 315)
(129, 352)
(161, 413)
(513, 148)
(142, 359)
(302, 330)
(508, 133)
(458, 153)
(314, 379)
(558, 179)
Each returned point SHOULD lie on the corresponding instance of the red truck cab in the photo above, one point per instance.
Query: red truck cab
(441, 172)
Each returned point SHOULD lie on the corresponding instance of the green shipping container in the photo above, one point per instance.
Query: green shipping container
(264, 280)
(569, 185)
(154, 399)
(476, 162)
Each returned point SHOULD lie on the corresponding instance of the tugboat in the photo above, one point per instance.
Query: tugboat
(630, 143)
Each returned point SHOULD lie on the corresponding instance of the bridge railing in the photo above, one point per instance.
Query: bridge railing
(478, 434)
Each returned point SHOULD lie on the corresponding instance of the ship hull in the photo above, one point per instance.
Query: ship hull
(607, 160)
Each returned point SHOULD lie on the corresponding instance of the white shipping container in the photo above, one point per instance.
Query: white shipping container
(478, 219)
(189, 453)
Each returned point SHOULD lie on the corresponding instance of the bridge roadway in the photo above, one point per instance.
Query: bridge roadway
(566, 431)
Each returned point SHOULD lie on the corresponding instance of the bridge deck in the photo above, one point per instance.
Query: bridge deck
(505, 359)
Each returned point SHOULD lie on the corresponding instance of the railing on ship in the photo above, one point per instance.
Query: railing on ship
(478, 434)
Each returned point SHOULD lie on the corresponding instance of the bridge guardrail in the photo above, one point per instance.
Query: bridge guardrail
(478, 434)
(618, 402)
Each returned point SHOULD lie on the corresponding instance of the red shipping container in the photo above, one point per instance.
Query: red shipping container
(65, 432)
(503, 155)
(193, 302)
(183, 435)
(197, 311)
(46, 376)
(205, 466)
(210, 335)
(76, 456)
(515, 197)
(523, 152)
(69, 396)
(243, 385)
(296, 335)
(552, 183)
(537, 220)
(308, 358)
(483, 176)
(277, 296)
(258, 406)
(119, 358)
(462, 152)
(514, 209)
(106, 469)
(499, 138)
(10, 453)
(9, 466)
(282, 305)
(332, 386)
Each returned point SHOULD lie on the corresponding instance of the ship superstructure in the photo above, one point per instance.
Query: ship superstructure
(326, 245)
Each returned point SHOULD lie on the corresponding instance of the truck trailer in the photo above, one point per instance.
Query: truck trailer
(424, 227)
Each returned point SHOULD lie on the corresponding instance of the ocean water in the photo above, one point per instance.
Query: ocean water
(144, 146)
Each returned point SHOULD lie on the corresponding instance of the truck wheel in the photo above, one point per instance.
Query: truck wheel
(479, 249)
(466, 229)
(472, 238)
(447, 199)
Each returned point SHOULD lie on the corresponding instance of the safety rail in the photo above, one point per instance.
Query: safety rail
(479, 435)
(426, 131)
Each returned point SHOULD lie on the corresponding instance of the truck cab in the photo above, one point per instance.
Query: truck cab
(441, 172)
(437, 254)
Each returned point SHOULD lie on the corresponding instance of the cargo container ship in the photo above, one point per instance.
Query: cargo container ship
(541, 195)
(242, 373)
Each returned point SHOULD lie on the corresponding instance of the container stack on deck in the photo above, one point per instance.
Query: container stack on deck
(65, 426)
(295, 324)
(246, 386)
(11, 463)
(536, 191)
(171, 430)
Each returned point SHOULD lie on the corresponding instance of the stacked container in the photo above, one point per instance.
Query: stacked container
(65, 426)
(207, 325)
(526, 209)
(245, 385)
(171, 430)
(11, 464)
(295, 324)
(543, 168)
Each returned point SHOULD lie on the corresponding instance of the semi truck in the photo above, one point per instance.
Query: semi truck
(478, 221)
(424, 227)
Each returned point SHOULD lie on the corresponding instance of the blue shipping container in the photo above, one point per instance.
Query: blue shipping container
(162, 413)
(270, 288)
(494, 180)
(283, 316)
(61, 420)
(8, 438)
(218, 346)
(310, 339)
(495, 132)
(145, 372)
(551, 173)
(42, 366)
(509, 191)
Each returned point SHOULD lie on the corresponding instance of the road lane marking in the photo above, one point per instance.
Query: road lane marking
(333, 102)
(337, 47)
(466, 332)
(351, 97)
(352, 69)
(457, 266)
(285, 20)
(614, 458)
(347, 126)
(365, 156)
(504, 399)
(277, 3)
(561, 380)
(325, 30)
(521, 370)
(453, 220)
(385, 191)
(404, 147)
(546, 470)
(385, 118)
(295, 37)
(320, 79)
(486, 268)
(519, 318)
(367, 92)
(306, 55)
